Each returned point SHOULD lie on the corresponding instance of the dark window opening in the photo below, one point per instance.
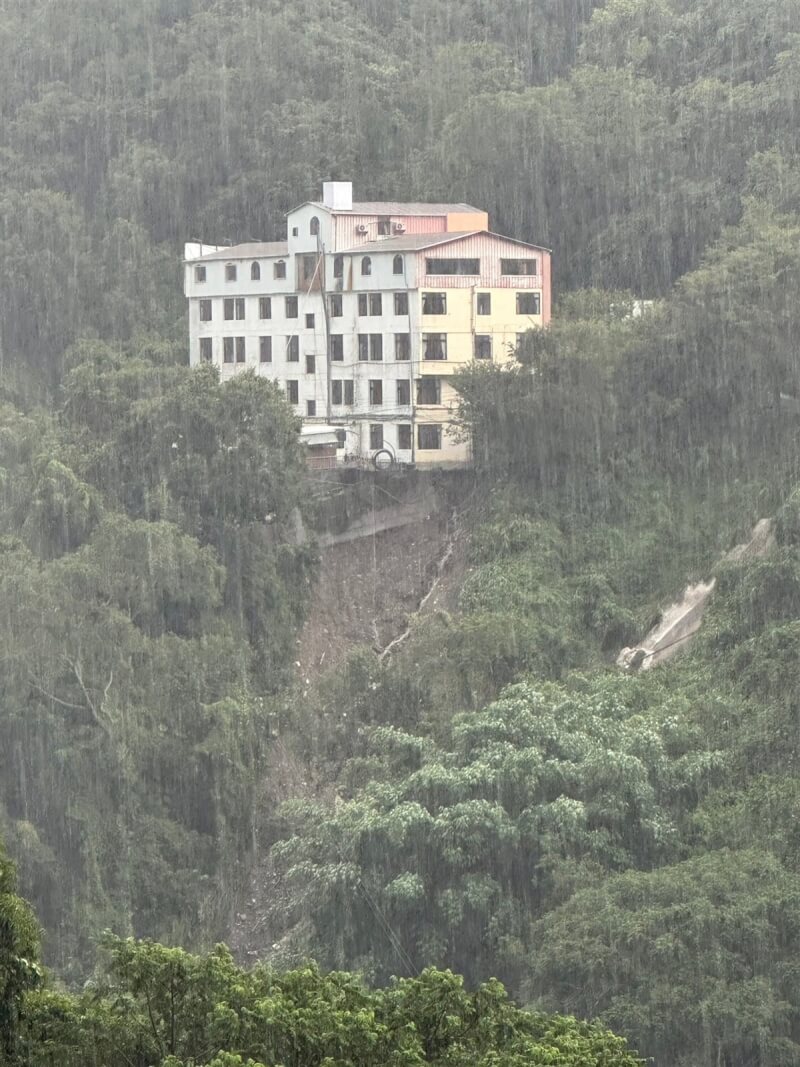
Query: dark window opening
(309, 322)
(313, 226)
(483, 346)
(452, 266)
(308, 266)
(227, 350)
(293, 350)
(336, 306)
(397, 265)
(518, 266)
(375, 347)
(227, 308)
(337, 346)
(239, 307)
(376, 436)
(311, 408)
(366, 266)
(375, 304)
(240, 356)
(363, 347)
(291, 307)
(375, 392)
(484, 303)
(363, 304)
(311, 363)
(293, 392)
(349, 394)
(402, 346)
(230, 272)
(429, 391)
(279, 270)
(404, 437)
(434, 303)
(265, 307)
(529, 303)
(199, 274)
(429, 437)
(205, 311)
(206, 349)
(384, 227)
(255, 272)
(435, 346)
(401, 303)
(338, 266)
(265, 349)
(403, 392)
(336, 392)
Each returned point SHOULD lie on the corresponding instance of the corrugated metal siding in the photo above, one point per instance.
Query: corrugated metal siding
(346, 236)
(489, 250)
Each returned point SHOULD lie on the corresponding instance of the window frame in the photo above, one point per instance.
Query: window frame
(375, 392)
(200, 273)
(458, 264)
(376, 440)
(398, 262)
(404, 346)
(484, 299)
(427, 339)
(206, 349)
(291, 306)
(405, 429)
(506, 266)
(529, 294)
(293, 348)
(279, 270)
(255, 271)
(265, 305)
(366, 267)
(430, 297)
(293, 391)
(231, 272)
(433, 382)
(336, 347)
(486, 338)
(336, 306)
(429, 427)
(241, 349)
(401, 304)
(265, 349)
(403, 392)
(206, 304)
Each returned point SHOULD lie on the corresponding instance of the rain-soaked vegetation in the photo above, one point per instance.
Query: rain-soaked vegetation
(496, 797)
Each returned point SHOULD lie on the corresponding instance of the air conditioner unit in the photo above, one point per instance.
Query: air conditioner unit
(361, 228)
(398, 227)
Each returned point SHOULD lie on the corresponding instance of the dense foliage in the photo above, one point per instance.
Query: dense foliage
(493, 797)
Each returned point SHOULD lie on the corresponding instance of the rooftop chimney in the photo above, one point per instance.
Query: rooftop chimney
(338, 195)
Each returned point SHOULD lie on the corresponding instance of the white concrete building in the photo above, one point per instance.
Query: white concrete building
(364, 313)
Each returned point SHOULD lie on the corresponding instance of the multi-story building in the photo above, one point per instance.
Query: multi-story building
(364, 313)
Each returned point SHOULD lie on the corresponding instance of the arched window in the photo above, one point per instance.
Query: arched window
(338, 266)
(366, 265)
(314, 226)
(397, 265)
(255, 272)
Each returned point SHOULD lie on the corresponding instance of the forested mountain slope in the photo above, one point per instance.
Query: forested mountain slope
(494, 796)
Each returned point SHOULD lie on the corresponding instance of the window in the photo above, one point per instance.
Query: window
(311, 408)
(366, 266)
(336, 391)
(291, 307)
(293, 349)
(435, 346)
(397, 265)
(338, 266)
(384, 227)
(529, 303)
(293, 392)
(337, 347)
(404, 437)
(434, 303)
(308, 266)
(309, 322)
(401, 303)
(336, 306)
(452, 266)
(402, 346)
(240, 356)
(206, 349)
(376, 436)
(518, 266)
(311, 363)
(227, 308)
(265, 307)
(370, 347)
(255, 272)
(483, 346)
(375, 304)
(403, 392)
(227, 350)
(205, 311)
(233, 308)
(199, 274)
(230, 272)
(429, 437)
(484, 303)
(363, 304)
(375, 392)
(313, 226)
(429, 391)
(279, 270)
(239, 307)
(349, 394)
(295, 231)
(265, 349)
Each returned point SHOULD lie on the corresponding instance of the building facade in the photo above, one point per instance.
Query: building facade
(363, 315)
